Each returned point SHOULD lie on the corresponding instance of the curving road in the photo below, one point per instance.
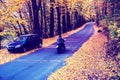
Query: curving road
(41, 63)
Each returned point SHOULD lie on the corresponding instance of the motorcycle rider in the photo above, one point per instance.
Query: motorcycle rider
(60, 41)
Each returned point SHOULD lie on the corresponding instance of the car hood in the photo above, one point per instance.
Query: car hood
(15, 43)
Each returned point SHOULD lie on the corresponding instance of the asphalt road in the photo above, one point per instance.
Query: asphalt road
(41, 63)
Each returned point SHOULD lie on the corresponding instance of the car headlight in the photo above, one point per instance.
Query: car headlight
(17, 46)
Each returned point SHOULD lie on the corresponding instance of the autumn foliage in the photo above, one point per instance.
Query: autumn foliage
(89, 62)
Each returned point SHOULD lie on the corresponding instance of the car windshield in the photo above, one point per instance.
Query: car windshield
(21, 38)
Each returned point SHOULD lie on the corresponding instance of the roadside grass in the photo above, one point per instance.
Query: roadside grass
(5, 56)
(88, 63)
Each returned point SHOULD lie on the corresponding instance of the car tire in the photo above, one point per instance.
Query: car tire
(40, 45)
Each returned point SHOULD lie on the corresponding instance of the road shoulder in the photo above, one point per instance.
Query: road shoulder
(88, 62)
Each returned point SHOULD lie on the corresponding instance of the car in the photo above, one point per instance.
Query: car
(24, 43)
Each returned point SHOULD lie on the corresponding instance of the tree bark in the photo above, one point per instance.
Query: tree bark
(64, 23)
(97, 18)
(41, 15)
(104, 10)
(51, 19)
(45, 22)
(64, 18)
(76, 20)
(69, 27)
(20, 30)
(23, 26)
(0, 41)
(58, 20)
(36, 24)
(30, 17)
(97, 12)
(25, 30)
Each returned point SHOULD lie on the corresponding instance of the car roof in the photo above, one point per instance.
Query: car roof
(29, 35)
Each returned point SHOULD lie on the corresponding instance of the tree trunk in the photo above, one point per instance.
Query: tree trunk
(45, 22)
(58, 20)
(64, 23)
(76, 20)
(30, 17)
(97, 12)
(25, 30)
(36, 24)
(20, 30)
(0, 41)
(16, 31)
(64, 18)
(97, 18)
(41, 15)
(0, 38)
(51, 19)
(69, 27)
(104, 8)
(23, 26)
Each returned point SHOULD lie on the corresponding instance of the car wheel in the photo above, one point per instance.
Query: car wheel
(40, 45)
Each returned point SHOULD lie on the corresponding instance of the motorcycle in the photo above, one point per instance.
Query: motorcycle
(60, 48)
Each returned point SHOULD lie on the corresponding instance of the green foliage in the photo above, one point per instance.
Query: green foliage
(113, 44)
(113, 48)
(114, 31)
(111, 20)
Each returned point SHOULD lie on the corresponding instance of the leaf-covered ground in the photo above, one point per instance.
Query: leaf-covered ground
(88, 63)
(5, 56)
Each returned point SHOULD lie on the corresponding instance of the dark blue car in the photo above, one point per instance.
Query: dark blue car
(24, 43)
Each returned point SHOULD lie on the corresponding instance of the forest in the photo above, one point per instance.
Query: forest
(94, 58)
(54, 17)
(43, 17)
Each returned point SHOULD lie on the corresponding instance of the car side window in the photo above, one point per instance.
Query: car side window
(28, 39)
(33, 38)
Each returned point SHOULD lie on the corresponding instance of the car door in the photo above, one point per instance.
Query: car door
(34, 40)
(29, 43)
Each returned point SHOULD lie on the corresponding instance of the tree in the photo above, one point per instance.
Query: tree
(36, 24)
(69, 27)
(10, 17)
(52, 18)
(45, 30)
(64, 25)
(0, 36)
(58, 19)
(45, 17)
(24, 28)
(30, 21)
